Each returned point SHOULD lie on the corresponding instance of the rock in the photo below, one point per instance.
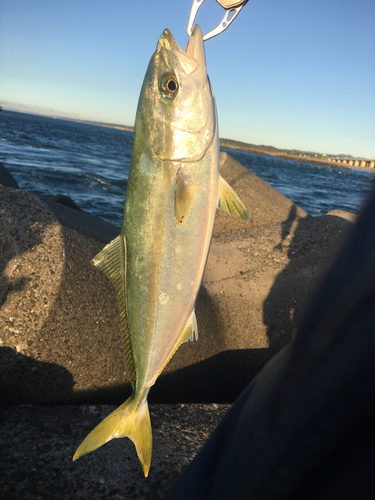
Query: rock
(83, 223)
(255, 287)
(6, 178)
(59, 316)
(264, 204)
(38, 443)
(66, 201)
(344, 214)
(59, 319)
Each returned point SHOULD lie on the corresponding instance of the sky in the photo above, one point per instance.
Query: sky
(295, 74)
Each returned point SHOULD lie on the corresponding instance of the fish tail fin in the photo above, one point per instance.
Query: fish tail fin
(130, 420)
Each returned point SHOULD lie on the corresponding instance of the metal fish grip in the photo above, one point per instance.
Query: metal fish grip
(232, 9)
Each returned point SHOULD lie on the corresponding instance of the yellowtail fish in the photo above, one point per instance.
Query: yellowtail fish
(157, 262)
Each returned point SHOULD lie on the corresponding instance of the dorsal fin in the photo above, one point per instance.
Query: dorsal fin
(230, 202)
(112, 261)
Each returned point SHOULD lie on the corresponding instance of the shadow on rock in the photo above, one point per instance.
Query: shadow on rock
(25, 380)
(286, 226)
(43, 379)
(281, 299)
(220, 378)
(310, 244)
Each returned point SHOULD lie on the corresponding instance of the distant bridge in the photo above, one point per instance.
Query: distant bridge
(353, 162)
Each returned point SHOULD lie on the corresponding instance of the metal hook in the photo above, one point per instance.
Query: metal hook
(231, 7)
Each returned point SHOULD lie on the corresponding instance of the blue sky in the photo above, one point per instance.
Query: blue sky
(293, 74)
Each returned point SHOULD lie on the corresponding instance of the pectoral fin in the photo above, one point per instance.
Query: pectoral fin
(230, 202)
(184, 196)
(112, 261)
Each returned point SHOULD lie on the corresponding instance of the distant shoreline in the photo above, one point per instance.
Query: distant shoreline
(96, 124)
(229, 144)
(75, 120)
(277, 153)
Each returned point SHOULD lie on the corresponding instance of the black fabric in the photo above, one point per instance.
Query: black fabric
(304, 428)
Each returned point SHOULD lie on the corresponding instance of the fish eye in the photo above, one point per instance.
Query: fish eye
(169, 86)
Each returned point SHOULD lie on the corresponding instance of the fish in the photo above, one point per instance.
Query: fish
(158, 260)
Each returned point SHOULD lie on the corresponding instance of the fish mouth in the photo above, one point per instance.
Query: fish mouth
(191, 60)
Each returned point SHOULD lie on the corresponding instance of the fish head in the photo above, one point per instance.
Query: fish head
(176, 110)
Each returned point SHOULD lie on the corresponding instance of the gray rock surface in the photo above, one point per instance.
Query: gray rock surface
(62, 199)
(264, 204)
(59, 317)
(255, 287)
(6, 178)
(83, 223)
(60, 338)
(37, 445)
(344, 214)
(57, 312)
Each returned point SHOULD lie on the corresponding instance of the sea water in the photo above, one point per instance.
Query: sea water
(89, 163)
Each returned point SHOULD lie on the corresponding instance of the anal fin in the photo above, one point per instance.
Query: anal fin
(230, 202)
(191, 330)
(190, 333)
